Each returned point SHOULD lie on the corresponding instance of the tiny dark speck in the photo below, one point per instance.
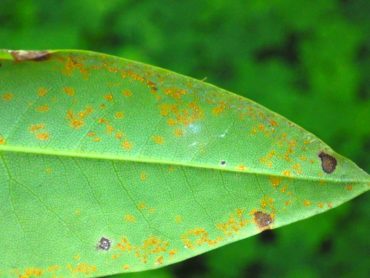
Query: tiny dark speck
(104, 244)
(328, 162)
(223, 162)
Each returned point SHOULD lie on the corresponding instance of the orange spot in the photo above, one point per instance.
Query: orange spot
(69, 91)
(42, 108)
(126, 267)
(2, 140)
(219, 108)
(109, 128)
(158, 139)
(127, 93)
(119, 115)
(119, 135)
(349, 187)
(275, 181)
(91, 134)
(172, 252)
(8, 96)
(41, 92)
(198, 237)
(76, 120)
(307, 203)
(108, 97)
(127, 145)
(36, 127)
(320, 205)
(43, 136)
(175, 92)
(129, 218)
(97, 139)
(234, 224)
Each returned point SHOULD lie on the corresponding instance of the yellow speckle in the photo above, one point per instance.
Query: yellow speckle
(42, 108)
(77, 212)
(127, 145)
(119, 115)
(286, 173)
(48, 170)
(97, 139)
(8, 96)
(178, 219)
(158, 139)
(179, 132)
(126, 267)
(306, 203)
(349, 187)
(159, 260)
(2, 140)
(129, 218)
(219, 108)
(320, 205)
(108, 97)
(143, 176)
(171, 122)
(241, 167)
(69, 91)
(41, 92)
(77, 257)
(31, 272)
(91, 134)
(141, 206)
(127, 93)
(82, 268)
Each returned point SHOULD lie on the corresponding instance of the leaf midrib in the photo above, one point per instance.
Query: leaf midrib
(49, 152)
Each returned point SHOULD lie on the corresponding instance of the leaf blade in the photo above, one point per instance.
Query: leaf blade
(150, 155)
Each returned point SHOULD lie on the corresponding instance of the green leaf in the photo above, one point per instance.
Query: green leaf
(109, 165)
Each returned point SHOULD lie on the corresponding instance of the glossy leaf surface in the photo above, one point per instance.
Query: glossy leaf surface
(109, 165)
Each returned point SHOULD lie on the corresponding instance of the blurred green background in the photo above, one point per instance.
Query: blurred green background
(307, 60)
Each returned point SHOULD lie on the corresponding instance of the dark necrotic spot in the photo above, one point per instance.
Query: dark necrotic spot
(24, 55)
(223, 162)
(328, 163)
(262, 220)
(104, 244)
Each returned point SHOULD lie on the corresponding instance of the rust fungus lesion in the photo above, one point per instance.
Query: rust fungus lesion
(30, 55)
(263, 220)
(328, 162)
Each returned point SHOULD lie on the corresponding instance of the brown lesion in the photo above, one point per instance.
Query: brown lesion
(328, 162)
(30, 55)
(263, 220)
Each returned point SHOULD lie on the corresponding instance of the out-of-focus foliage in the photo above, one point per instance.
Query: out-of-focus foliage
(307, 60)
